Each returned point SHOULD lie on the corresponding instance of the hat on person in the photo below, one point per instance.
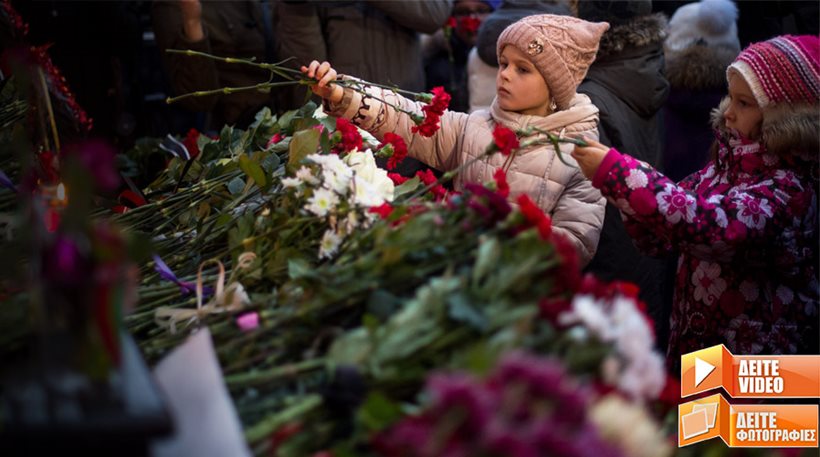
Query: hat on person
(506, 14)
(615, 12)
(708, 22)
(783, 69)
(493, 3)
(561, 48)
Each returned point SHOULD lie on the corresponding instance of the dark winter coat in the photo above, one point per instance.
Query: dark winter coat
(232, 29)
(627, 84)
(697, 76)
(747, 229)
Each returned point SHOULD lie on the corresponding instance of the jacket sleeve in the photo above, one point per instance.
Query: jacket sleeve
(424, 17)
(185, 74)
(712, 227)
(579, 215)
(372, 114)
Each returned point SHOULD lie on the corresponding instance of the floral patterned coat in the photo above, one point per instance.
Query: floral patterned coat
(746, 230)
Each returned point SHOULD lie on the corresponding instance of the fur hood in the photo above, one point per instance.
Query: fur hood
(638, 32)
(699, 67)
(787, 129)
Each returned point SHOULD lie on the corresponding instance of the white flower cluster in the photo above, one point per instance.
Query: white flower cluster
(636, 369)
(341, 190)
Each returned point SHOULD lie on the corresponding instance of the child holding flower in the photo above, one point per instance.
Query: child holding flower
(542, 60)
(746, 225)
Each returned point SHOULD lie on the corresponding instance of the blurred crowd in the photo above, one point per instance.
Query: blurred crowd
(659, 71)
(112, 53)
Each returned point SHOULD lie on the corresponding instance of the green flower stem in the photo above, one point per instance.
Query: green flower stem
(447, 176)
(250, 379)
(231, 90)
(265, 427)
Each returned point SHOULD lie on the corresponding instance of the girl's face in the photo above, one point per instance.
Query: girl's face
(743, 113)
(519, 86)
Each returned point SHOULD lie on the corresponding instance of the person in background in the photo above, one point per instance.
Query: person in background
(445, 52)
(746, 225)
(377, 40)
(627, 84)
(482, 62)
(542, 59)
(701, 43)
(226, 29)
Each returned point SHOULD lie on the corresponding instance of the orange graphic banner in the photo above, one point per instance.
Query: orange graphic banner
(747, 425)
(748, 376)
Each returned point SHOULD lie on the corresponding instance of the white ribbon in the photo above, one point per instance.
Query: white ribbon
(225, 299)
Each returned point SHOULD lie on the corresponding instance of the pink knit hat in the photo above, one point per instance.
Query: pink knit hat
(782, 69)
(561, 47)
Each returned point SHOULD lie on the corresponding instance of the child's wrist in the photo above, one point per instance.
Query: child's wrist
(336, 95)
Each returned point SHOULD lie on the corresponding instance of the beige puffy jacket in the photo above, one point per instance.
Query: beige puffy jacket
(576, 208)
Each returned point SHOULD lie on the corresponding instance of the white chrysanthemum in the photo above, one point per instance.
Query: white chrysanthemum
(637, 371)
(330, 244)
(325, 160)
(322, 202)
(587, 311)
(305, 175)
(364, 194)
(628, 426)
(291, 183)
(337, 178)
(364, 166)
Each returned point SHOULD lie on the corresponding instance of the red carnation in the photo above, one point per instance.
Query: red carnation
(534, 216)
(428, 126)
(470, 24)
(398, 147)
(500, 178)
(277, 137)
(397, 178)
(384, 210)
(505, 140)
(350, 138)
(190, 143)
(428, 178)
(441, 100)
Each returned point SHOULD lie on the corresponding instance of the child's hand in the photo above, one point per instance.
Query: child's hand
(325, 74)
(589, 158)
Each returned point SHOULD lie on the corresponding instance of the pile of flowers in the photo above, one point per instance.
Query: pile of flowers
(527, 406)
(341, 191)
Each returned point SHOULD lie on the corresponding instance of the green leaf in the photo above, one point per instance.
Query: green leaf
(253, 170)
(285, 120)
(382, 304)
(236, 185)
(352, 348)
(489, 252)
(263, 116)
(270, 162)
(460, 309)
(304, 143)
(324, 141)
(407, 187)
(299, 268)
(378, 412)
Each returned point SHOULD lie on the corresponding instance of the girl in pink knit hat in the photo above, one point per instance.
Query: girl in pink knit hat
(746, 226)
(542, 60)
